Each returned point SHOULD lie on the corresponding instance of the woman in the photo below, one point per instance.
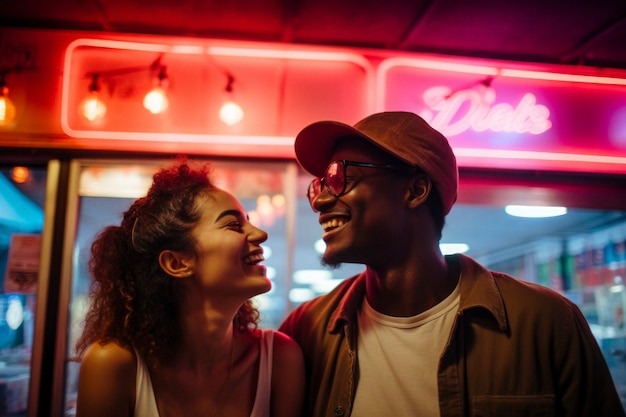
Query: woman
(171, 331)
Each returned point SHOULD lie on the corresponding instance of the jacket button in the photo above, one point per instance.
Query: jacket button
(339, 411)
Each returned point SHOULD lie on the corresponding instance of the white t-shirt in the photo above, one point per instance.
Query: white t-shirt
(398, 359)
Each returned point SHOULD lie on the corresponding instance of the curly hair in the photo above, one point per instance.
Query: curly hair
(132, 300)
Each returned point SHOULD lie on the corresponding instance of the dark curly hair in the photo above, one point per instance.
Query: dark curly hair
(132, 300)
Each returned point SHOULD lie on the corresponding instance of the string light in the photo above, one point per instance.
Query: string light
(156, 100)
(7, 108)
(92, 107)
(230, 112)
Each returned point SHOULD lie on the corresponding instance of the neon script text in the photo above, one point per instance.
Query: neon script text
(453, 113)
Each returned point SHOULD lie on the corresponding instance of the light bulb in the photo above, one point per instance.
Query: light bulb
(92, 107)
(7, 108)
(231, 113)
(20, 174)
(156, 101)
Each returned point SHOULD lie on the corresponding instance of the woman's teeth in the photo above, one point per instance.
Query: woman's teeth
(254, 259)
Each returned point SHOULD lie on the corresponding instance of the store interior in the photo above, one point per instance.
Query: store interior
(580, 253)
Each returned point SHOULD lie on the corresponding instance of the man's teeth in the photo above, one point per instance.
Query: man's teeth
(254, 259)
(333, 223)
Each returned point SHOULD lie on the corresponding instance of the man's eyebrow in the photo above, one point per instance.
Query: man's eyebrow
(225, 213)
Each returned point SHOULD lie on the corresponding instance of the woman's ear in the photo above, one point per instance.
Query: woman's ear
(419, 188)
(175, 264)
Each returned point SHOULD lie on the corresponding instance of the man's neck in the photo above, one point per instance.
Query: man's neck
(404, 292)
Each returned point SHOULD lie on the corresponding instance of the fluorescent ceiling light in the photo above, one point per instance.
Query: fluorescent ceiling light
(324, 287)
(451, 248)
(299, 295)
(310, 276)
(535, 211)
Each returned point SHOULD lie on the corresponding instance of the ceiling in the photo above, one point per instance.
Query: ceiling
(572, 32)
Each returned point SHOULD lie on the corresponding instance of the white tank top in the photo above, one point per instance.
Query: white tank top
(145, 402)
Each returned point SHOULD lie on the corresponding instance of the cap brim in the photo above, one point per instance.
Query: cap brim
(314, 144)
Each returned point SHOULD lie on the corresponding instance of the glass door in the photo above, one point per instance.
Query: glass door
(105, 189)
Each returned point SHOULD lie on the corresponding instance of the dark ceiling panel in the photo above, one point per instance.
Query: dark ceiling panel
(528, 31)
(591, 33)
(62, 14)
(236, 18)
(359, 23)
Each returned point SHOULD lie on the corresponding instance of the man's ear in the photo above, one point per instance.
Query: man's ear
(175, 264)
(418, 190)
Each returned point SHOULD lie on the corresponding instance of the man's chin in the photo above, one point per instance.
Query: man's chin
(330, 262)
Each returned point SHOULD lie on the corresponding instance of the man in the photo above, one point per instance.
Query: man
(418, 333)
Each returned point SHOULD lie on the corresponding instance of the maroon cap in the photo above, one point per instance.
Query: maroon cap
(402, 134)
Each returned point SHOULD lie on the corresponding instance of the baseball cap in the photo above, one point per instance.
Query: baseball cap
(404, 135)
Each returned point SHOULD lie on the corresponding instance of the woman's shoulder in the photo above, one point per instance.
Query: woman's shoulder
(287, 376)
(110, 357)
(106, 381)
(286, 348)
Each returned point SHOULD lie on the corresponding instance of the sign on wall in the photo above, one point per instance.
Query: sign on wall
(279, 90)
(513, 118)
(495, 116)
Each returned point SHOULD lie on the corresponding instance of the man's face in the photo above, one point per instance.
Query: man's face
(365, 224)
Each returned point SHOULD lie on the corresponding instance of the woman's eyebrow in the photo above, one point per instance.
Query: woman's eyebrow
(225, 213)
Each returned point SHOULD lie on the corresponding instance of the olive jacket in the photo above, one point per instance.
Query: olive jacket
(515, 349)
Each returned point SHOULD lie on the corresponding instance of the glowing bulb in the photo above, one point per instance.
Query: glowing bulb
(254, 217)
(279, 201)
(231, 113)
(156, 101)
(7, 108)
(20, 174)
(92, 107)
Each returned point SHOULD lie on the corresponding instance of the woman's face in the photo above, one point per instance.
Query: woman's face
(228, 249)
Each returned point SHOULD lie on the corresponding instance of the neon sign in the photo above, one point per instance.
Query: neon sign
(486, 132)
(454, 112)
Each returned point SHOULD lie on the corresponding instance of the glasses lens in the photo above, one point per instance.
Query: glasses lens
(335, 178)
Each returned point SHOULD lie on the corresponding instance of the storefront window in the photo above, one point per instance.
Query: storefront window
(21, 222)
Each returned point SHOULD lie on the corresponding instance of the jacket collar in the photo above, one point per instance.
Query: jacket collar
(478, 291)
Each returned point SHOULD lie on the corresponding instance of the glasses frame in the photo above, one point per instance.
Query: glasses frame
(318, 183)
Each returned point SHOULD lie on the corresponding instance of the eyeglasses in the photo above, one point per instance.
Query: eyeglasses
(335, 178)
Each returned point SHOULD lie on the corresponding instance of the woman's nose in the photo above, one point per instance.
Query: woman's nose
(257, 235)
